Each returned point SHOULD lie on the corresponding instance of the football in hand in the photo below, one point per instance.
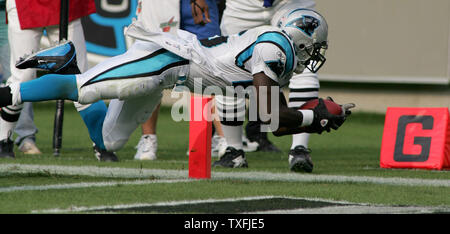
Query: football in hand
(332, 107)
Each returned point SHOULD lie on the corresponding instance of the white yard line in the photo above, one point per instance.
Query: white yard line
(358, 209)
(137, 205)
(349, 208)
(115, 172)
(87, 185)
(151, 176)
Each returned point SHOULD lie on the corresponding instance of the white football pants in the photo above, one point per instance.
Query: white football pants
(135, 81)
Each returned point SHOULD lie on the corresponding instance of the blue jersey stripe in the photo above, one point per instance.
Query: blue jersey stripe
(153, 64)
(275, 38)
(284, 44)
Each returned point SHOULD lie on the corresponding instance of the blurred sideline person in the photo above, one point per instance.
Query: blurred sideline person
(27, 21)
(241, 15)
(200, 17)
(267, 56)
(168, 20)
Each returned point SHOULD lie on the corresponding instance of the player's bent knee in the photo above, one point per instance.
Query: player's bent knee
(114, 145)
(87, 96)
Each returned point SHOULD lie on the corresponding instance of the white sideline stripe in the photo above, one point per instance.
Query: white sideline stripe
(108, 172)
(357, 209)
(182, 202)
(86, 185)
(111, 172)
(349, 208)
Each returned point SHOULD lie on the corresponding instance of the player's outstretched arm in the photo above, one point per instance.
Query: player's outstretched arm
(292, 121)
(287, 117)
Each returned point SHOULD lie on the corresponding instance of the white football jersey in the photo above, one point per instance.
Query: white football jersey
(236, 58)
(230, 60)
(159, 15)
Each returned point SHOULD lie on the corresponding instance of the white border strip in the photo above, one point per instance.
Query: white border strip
(86, 185)
(182, 202)
(114, 172)
(349, 208)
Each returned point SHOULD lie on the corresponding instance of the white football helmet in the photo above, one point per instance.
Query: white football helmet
(309, 32)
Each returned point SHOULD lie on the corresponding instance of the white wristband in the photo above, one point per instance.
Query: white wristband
(308, 116)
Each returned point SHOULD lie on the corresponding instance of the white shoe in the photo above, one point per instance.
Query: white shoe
(147, 147)
(29, 147)
(218, 146)
(249, 146)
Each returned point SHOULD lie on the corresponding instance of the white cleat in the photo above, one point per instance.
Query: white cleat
(147, 147)
(218, 146)
(249, 146)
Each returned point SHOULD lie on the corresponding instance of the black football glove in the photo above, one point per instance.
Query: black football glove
(345, 107)
(346, 110)
(325, 121)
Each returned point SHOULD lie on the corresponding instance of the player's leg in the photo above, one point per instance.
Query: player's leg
(63, 58)
(21, 42)
(218, 141)
(125, 76)
(302, 88)
(123, 117)
(148, 143)
(129, 76)
(231, 112)
(113, 78)
(26, 131)
(92, 114)
(238, 16)
(255, 136)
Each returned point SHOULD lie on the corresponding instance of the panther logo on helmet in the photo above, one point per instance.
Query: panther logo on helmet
(306, 23)
(308, 31)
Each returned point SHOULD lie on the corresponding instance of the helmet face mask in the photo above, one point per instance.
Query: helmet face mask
(308, 31)
(316, 56)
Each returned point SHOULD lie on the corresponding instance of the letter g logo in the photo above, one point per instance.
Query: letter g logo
(425, 142)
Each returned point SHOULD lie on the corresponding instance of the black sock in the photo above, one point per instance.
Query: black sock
(5, 96)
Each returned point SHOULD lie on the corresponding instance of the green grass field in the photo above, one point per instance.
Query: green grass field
(346, 172)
